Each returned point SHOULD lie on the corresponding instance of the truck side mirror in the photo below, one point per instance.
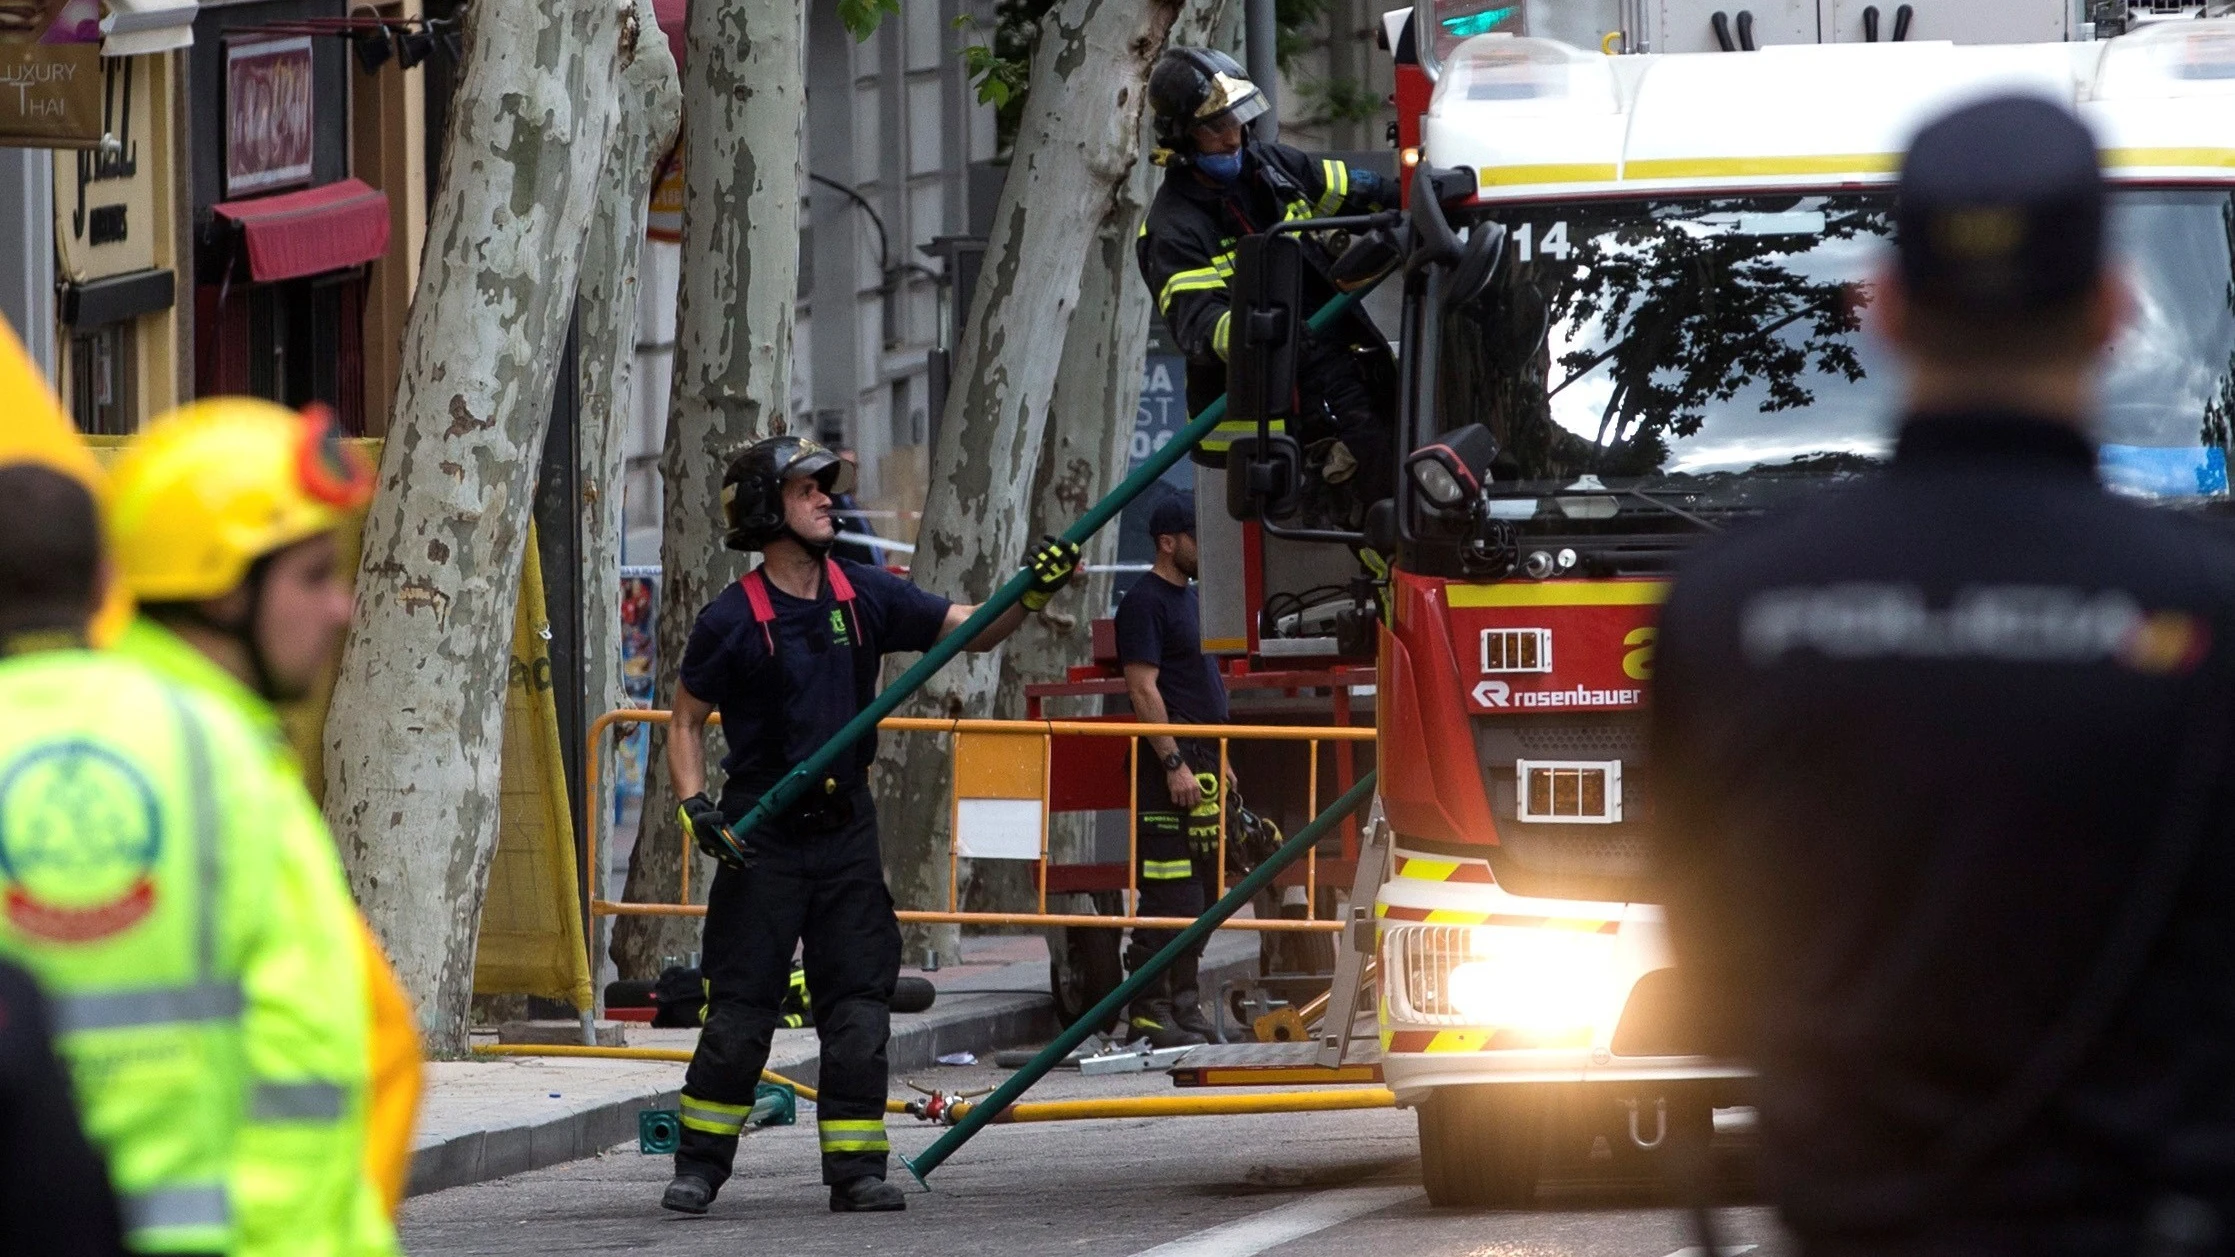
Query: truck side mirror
(1265, 327)
(1264, 480)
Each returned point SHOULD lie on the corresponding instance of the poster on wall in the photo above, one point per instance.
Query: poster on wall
(268, 136)
(640, 601)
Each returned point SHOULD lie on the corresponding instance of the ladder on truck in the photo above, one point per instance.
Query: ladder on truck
(1339, 1053)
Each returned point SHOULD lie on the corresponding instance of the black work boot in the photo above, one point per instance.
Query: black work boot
(688, 1193)
(1187, 1014)
(866, 1195)
(1152, 1019)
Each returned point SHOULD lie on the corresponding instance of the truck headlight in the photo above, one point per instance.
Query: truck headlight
(1542, 980)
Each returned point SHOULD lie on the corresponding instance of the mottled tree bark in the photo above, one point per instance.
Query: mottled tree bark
(416, 732)
(651, 109)
(1086, 452)
(1078, 142)
(744, 94)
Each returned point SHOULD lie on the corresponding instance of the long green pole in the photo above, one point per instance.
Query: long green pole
(794, 783)
(1052, 1055)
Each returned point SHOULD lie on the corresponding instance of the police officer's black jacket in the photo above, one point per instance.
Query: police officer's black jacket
(1186, 246)
(1912, 742)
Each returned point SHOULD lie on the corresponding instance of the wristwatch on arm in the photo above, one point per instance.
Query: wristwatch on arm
(1173, 762)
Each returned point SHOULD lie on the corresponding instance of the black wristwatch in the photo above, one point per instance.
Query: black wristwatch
(1174, 762)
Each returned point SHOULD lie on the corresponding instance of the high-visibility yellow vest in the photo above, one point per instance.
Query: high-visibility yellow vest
(300, 1180)
(130, 886)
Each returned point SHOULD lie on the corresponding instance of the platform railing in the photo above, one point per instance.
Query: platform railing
(595, 800)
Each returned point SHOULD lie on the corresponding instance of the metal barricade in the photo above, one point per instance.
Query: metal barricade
(1044, 732)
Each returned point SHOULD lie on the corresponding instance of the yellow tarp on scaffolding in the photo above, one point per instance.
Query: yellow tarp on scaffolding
(531, 923)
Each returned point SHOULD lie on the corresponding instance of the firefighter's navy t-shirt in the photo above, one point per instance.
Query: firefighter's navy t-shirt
(1158, 622)
(775, 715)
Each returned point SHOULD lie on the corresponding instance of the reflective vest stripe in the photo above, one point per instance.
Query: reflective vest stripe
(296, 1102)
(169, 1208)
(117, 1010)
(1223, 436)
(1167, 870)
(1201, 279)
(850, 1135)
(207, 826)
(1220, 333)
(1337, 176)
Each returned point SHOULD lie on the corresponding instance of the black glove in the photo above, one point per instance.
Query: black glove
(706, 825)
(1051, 565)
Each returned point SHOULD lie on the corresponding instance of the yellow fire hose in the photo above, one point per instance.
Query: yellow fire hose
(1041, 1111)
(1192, 1106)
(804, 1091)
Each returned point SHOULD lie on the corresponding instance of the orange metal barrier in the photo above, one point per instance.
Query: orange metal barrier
(1046, 731)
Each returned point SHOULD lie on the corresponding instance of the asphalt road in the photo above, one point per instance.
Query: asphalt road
(1345, 1184)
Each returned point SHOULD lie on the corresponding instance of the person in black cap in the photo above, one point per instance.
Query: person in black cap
(789, 655)
(1177, 787)
(1945, 757)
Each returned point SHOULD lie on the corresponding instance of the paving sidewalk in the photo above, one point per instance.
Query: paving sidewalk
(486, 1118)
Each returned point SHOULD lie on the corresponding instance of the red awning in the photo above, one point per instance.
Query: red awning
(317, 229)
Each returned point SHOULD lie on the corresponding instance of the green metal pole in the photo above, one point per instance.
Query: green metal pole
(794, 783)
(1051, 1055)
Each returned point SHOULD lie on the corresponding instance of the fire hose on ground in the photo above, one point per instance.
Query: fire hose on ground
(979, 1115)
(966, 1118)
(949, 1109)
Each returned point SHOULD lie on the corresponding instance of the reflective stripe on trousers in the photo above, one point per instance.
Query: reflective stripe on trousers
(713, 1116)
(853, 1135)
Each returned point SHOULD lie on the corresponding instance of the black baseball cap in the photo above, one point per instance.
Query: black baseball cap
(2000, 209)
(1175, 514)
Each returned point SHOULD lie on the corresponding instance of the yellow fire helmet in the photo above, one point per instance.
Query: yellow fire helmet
(33, 429)
(205, 491)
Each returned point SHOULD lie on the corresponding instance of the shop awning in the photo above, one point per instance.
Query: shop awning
(317, 229)
(138, 27)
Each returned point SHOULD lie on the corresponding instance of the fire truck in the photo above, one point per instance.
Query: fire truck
(1632, 313)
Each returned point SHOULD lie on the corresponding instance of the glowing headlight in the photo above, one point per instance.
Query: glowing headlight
(1540, 980)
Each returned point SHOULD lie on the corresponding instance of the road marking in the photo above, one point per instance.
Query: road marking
(1696, 1251)
(1260, 1231)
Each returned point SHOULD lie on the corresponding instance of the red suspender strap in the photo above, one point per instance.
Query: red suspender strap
(764, 611)
(843, 590)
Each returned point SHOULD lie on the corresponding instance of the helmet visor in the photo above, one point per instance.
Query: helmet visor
(833, 473)
(1231, 97)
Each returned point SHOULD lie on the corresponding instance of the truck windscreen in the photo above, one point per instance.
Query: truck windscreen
(1717, 346)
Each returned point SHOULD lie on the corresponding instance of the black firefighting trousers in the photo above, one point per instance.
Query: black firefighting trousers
(826, 890)
(1176, 867)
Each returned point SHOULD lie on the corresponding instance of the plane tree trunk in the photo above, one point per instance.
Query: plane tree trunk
(415, 736)
(744, 95)
(651, 108)
(1078, 141)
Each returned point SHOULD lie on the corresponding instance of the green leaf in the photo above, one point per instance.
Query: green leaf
(862, 17)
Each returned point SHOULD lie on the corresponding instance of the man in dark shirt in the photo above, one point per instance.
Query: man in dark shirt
(1945, 772)
(54, 1191)
(1171, 681)
(789, 655)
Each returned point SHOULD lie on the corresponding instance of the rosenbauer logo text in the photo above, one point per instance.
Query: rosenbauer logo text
(1502, 694)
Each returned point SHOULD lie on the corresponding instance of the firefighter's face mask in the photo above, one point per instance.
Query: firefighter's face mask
(1220, 167)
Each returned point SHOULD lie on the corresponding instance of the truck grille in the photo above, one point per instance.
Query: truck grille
(1421, 958)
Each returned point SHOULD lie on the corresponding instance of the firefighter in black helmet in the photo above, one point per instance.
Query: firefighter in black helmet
(1221, 185)
(788, 655)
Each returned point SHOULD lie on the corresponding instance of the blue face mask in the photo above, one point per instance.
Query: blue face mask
(1224, 167)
